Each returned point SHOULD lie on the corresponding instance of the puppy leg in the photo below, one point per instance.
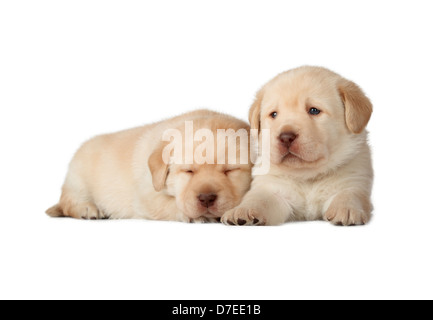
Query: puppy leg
(77, 210)
(349, 208)
(259, 208)
(76, 203)
(84, 210)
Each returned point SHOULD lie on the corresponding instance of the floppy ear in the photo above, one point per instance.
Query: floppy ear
(254, 115)
(158, 168)
(358, 107)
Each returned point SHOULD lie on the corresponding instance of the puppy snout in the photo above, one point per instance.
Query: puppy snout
(207, 199)
(287, 138)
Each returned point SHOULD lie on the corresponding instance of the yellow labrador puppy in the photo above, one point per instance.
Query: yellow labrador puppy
(320, 159)
(124, 175)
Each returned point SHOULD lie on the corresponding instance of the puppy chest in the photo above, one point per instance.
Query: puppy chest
(307, 210)
(309, 202)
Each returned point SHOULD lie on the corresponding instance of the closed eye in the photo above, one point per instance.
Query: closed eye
(228, 171)
(188, 171)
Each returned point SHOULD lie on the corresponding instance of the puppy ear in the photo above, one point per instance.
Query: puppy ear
(358, 107)
(158, 168)
(254, 115)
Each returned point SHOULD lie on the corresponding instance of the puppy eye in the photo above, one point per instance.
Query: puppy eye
(227, 172)
(273, 115)
(314, 111)
(189, 171)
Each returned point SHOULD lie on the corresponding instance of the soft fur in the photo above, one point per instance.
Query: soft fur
(122, 175)
(327, 172)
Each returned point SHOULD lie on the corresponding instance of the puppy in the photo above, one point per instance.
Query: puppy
(320, 160)
(125, 175)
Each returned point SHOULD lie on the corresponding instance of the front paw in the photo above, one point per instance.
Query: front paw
(241, 216)
(205, 220)
(184, 218)
(347, 216)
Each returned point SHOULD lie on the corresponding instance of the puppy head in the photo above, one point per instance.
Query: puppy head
(316, 119)
(208, 190)
(203, 189)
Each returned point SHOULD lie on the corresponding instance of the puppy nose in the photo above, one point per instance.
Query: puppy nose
(287, 138)
(207, 199)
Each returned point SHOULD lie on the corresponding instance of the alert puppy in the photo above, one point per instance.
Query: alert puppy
(320, 160)
(123, 175)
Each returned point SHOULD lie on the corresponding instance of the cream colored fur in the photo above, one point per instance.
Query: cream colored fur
(328, 172)
(122, 175)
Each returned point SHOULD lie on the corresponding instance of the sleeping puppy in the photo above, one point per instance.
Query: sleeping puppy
(124, 175)
(320, 160)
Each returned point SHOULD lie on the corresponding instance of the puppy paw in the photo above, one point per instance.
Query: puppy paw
(86, 211)
(243, 217)
(205, 220)
(183, 218)
(347, 216)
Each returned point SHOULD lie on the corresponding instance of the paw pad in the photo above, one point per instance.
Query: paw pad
(241, 222)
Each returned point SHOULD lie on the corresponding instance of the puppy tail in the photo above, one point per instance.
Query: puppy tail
(55, 211)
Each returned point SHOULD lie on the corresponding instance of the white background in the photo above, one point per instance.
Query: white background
(73, 69)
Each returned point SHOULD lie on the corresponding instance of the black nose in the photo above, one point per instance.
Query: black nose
(287, 138)
(207, 199)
